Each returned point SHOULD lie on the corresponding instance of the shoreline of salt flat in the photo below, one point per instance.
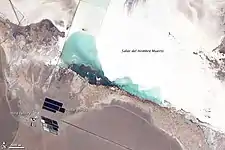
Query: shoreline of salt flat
(186, 82)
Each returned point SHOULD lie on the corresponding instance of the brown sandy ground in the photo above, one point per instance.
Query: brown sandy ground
(8, 124)
(108, 112)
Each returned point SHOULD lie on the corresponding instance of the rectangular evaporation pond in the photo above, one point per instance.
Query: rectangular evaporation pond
(47, 120)
(99, 3)
(55, 122)
(51, 106)
(49, 109)
(62, 110)
(44, 118)
(53, 102)
(56, 129)
(54, 132)
(50, 122)
(55, 125)
(89, 16)
(52, 128)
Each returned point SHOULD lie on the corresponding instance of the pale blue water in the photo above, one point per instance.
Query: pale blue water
(151, 94)
(80, 48)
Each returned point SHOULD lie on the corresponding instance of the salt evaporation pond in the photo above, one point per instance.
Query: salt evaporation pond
(80, 49)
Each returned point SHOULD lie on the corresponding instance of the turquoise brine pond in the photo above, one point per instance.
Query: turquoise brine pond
(80, 48)
(152, 94)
